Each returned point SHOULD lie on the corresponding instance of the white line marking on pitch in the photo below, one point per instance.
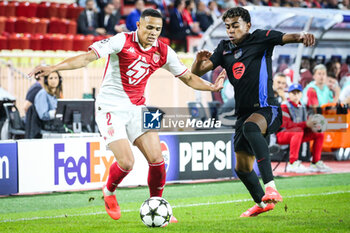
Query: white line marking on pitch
(175, 206)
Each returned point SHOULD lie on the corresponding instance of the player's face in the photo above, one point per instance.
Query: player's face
(53, 80)
(149, 29)
(279, 83)
(236, 28)
(295, 96)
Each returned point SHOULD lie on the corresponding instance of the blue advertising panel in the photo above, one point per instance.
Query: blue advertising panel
(170, 150)
(8, 168)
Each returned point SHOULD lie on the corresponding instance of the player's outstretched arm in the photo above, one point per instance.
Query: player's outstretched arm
(307, 39)
(67, 64)
(202, 64)
(198, 83)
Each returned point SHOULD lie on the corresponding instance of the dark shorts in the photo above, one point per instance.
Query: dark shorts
(273, 116)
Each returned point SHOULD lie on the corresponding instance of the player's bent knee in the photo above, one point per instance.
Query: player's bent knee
(250, 127)
(126, 164)
(156, 159)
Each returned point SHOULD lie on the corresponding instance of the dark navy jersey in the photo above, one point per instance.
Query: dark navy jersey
(249, 69)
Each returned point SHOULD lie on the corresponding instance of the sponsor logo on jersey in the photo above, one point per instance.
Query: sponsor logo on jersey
(238, 70)
(131, 50)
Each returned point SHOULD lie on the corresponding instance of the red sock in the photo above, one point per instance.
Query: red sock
(156, 179)
(116, 175)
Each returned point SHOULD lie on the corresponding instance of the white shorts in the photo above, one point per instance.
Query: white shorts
(123, 123)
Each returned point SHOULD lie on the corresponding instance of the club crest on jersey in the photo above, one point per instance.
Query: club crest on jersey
(156, 57)
(238, 70)
(110, 131)
(238, 53)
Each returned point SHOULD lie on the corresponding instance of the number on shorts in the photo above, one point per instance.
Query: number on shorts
(108, 116)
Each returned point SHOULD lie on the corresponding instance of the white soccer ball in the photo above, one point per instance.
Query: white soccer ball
(156, 212)
(321, 123)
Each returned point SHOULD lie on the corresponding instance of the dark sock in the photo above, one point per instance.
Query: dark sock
(260, 148)
(251, 182)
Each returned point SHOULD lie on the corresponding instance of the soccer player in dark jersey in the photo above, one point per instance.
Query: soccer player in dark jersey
(246, 57)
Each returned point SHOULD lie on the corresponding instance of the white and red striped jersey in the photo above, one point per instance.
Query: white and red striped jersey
(129, 66)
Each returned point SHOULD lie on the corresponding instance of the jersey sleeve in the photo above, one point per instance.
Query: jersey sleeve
(173, 64)
(216, 57)
(271, 37)
(105, 47)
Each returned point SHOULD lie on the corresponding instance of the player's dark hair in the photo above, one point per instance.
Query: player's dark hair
(237, 11)
(151, 12)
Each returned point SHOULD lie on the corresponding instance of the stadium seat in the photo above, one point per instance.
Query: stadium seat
(10, 24)
(57, 25)
(62, 11)
(25, 25)
(35, 41)
(18, 41)
(197, 111)
(336, 58)
(320, 59)
(214, 109)
(2, 24)
(81, 42)
(68, 42)
(53, 9)
(2, 8)
(26, 9)
(41, 26)
(3, 42)
(42, 10)
(47, 42)
(57, 42)
(73, 11)
(10, 9)
(283, 59)
(72, 27)
(16, 126)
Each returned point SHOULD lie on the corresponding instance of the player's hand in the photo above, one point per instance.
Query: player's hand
(308, 39)
(219, 82)
(203, 55)
(41, 71)
(311, 123)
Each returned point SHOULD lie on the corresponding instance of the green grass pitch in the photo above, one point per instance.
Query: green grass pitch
(319, 203)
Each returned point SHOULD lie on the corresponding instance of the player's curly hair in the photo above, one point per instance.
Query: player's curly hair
(237, 11)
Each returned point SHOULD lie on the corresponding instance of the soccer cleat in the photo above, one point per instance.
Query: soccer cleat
(271, 196)
(111, 205)
(319, 167)
(173, 219)
(296, 167)
(256, 210)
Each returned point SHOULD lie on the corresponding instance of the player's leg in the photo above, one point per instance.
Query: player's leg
(254, 129)
(112, 128)
(149, 145)
(245, 172)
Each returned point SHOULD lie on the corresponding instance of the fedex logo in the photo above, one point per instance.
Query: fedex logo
(86, 168)
(4, 167)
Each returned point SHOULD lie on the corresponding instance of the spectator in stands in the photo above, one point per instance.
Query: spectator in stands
(188, 16)
(33, 90)
(334, 67)
(296, 129)
(108, 20)
(344, 96)
(204, 16)
(134, 16)
(178, 29)
(87, 21)
(101, 4)
(333, 85)
(279, 87)
(118, 27)
(214, 11)
(46, 100)
(317, 93)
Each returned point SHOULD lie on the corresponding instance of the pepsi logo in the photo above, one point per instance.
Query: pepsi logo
(166, 154)
(238, 70)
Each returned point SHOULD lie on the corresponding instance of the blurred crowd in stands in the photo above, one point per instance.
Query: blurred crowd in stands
(182, 18)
